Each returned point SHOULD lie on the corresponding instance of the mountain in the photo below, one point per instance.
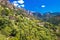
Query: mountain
(52, 17)
(51, 14)
(48, 17)
(37, 15)
(17, 24)
(45, 16)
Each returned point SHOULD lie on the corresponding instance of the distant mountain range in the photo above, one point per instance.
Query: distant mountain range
(46, 14)
(53, 18)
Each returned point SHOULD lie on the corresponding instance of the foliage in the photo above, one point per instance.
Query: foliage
(15, 26)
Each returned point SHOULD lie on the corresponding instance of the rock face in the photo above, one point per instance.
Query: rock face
(7, 3)
(3, 2)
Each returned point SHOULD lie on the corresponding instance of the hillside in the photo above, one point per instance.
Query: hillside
(16, 24)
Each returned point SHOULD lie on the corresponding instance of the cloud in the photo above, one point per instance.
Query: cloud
(42, 6)
(19, 6)
(16, 5)
(22, 5)
(19, 3)
(14, 2)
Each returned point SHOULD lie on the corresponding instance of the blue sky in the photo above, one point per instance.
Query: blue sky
(40, 5)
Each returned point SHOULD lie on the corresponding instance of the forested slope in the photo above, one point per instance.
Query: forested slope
(18, 25)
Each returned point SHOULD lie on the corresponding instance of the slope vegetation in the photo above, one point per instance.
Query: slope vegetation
(18, 25)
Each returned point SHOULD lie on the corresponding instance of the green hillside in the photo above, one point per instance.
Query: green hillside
(18, 25)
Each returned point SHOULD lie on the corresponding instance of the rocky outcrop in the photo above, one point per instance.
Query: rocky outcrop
(7, 4)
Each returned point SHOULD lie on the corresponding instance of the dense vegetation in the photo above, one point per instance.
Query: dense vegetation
(17, 25)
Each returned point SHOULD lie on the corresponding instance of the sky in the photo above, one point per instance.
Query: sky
(38, 5)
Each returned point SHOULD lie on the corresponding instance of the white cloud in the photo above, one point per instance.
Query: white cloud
(21, 2)
(22, 5)
(42, 6)
(19, 6)
(16, 3)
